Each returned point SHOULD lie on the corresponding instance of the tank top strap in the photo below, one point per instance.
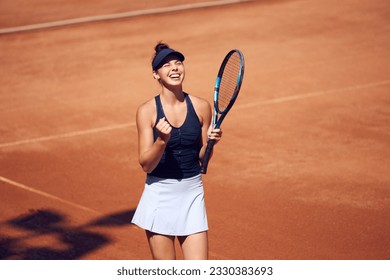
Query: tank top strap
(190, 107)
(192, 117)
(159, 108)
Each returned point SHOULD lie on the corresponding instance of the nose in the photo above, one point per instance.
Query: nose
(174, 66)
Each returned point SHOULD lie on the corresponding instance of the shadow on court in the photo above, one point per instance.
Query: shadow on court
(70, 243)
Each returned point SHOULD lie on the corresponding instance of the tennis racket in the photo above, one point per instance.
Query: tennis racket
(227, 87)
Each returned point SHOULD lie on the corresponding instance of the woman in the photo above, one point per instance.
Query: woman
(173, 128)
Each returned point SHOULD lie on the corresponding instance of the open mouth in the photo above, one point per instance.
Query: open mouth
(174, 76)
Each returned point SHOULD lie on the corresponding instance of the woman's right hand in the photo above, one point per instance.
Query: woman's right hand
(164, 129)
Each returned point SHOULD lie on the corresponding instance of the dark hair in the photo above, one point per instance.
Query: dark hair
(162, 50)
(160, 46)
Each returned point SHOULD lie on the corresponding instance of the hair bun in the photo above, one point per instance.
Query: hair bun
(160, 46)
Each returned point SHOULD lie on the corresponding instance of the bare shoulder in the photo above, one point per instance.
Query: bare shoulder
(146, 112)
(147, 106)
(202, 108)
(200, 104)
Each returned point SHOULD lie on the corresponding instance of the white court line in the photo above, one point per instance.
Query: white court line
(67, 135)
(47, 195)
(240, 106)
(313, 94)
(120, 15)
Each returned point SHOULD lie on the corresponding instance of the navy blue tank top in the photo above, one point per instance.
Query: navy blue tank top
(181, 156)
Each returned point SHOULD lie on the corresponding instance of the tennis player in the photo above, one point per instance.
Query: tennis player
(173, 128)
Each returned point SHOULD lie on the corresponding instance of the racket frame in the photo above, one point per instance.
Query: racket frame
(217, 121)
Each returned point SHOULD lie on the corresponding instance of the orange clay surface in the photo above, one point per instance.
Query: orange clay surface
(303, 169)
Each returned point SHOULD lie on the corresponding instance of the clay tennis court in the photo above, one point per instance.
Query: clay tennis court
(302, 172)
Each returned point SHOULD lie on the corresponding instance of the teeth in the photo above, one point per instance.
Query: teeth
(175, 76)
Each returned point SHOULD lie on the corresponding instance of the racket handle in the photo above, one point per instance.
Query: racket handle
(206, 157)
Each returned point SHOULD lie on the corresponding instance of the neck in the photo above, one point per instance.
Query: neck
(173, 95)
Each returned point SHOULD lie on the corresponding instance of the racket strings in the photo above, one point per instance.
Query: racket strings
(229, 81)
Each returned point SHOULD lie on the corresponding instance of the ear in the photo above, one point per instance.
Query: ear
(156, 76)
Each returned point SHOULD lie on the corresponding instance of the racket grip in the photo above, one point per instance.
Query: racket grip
(206, 157)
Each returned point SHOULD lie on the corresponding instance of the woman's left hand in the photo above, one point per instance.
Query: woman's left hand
(215, 134)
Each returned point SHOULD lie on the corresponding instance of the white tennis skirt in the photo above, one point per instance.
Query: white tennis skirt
(172, 207)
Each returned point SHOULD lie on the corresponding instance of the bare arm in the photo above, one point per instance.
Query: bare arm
(150, 151)
(203, 110)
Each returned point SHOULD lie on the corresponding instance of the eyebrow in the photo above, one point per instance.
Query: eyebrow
(169, 60)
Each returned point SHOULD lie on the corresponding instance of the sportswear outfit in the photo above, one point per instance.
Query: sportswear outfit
(172, 202)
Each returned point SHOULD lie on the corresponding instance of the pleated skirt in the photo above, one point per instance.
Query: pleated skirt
(172, 207)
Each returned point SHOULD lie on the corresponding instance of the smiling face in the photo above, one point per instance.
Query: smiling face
(171, 72)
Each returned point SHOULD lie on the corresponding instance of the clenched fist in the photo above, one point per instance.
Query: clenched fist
(164, 129)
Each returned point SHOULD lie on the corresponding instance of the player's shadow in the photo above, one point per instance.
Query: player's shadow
(45, 235)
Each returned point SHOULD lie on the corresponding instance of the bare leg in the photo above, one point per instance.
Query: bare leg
(161, 246)
(195, 246)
